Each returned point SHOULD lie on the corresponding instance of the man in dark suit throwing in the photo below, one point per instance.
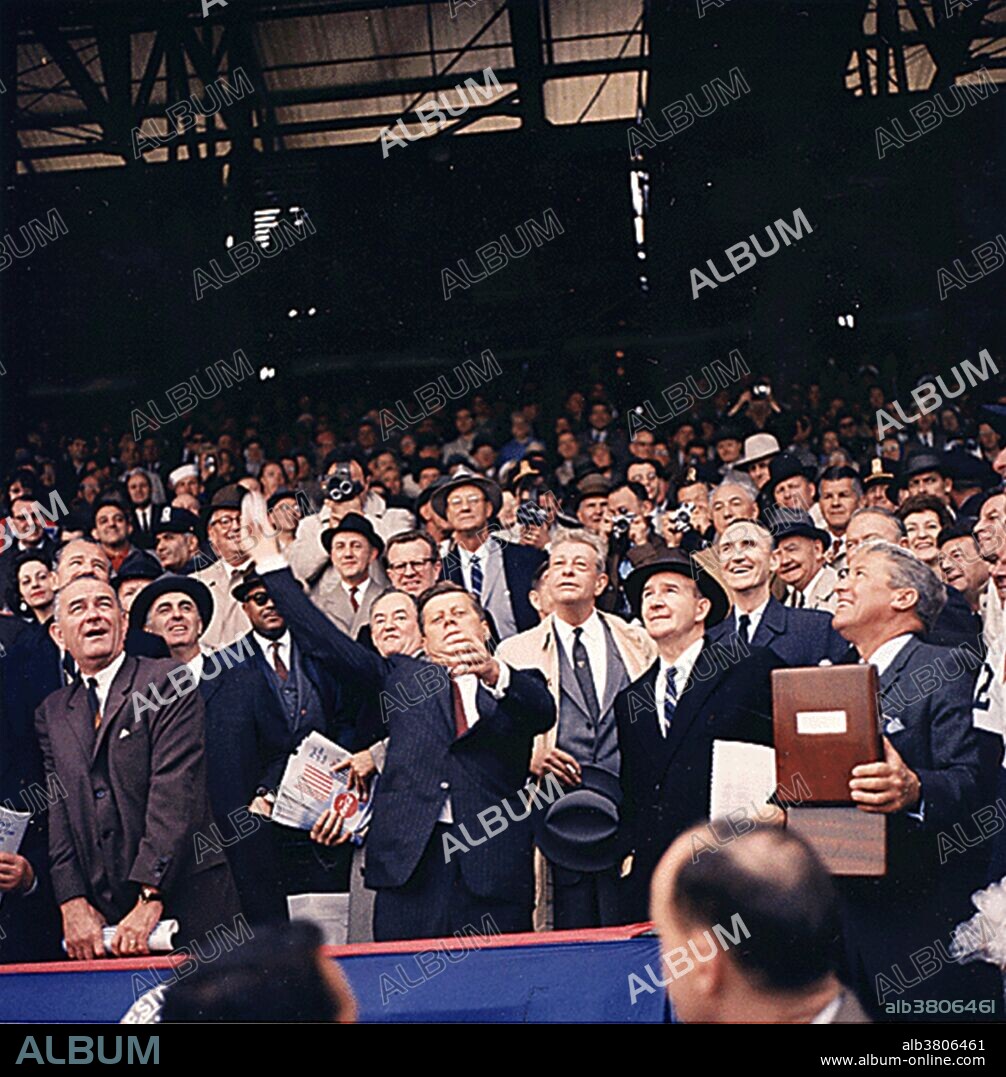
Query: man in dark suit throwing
(460, 729)
(935, 773)
(696, 692)
(121, 846)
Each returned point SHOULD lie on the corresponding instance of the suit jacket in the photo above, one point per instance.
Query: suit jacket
(246, 749)
(957, 624)
(136, 797)
(330, 597)
(666, 782)
(143, 537)
(798, 637)
(427, 762)
(519, 565)
(229, 622)
(925, 701)
(820, 595)
(538, 648)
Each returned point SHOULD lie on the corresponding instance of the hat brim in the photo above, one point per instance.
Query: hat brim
(706, 583)
(167, 585)
(799, 531)
(487, 486)
(745, 462)
(328, 537)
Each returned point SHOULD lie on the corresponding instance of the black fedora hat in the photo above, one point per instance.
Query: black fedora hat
(786, 466)
(790, 523)
(466, 478)
(167, 585)
(581, 830)
(681, 564)
(357, 524)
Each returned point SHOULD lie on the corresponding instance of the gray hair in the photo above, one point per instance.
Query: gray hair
(886, 514)
(906, 570)
(584, 538)
(762, 531)
(737, 478)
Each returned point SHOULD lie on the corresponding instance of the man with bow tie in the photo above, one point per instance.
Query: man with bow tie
(695, 693)
(121, 842)
(937, 771)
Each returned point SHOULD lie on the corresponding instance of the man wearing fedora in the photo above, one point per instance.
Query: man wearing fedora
(791, 486)
(228, 537)
(587, 657)
(696, 692)
(800, 562)
(497, 574)
(246, 746)
(927, 472)
(346, 595)
(759, 452)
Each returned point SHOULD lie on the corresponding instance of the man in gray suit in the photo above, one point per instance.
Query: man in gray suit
(347, 594)
(587, 657)
(773, 962)
(121, 843)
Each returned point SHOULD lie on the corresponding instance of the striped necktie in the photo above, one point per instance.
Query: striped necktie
(476, 577)
(670, 703)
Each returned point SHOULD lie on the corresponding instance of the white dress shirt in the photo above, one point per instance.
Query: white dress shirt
(104, 679)
(266, 646)
(682, 671)
(360, 589)
(754, 616)
(594, 643)
(886, 653)
(827, 1014)
(483, 553)
(468, 685)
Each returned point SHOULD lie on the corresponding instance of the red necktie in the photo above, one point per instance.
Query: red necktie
(460, 720)
(352, 599)
(280, 666)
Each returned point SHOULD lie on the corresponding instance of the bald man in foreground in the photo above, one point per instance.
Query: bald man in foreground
(759, 917)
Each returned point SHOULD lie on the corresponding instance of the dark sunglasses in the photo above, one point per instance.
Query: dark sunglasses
(260, 598)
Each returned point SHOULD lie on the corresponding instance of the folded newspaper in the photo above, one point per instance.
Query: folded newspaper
(159, 940)
(310, 785)
(13, 824)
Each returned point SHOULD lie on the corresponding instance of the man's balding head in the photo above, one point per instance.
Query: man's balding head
(774, 907)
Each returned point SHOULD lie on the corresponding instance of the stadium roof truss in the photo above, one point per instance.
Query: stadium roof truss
(105, 84)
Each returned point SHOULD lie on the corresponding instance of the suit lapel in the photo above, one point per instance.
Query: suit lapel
(81, 721)
(644, 713)
(691, 700)
(772, 624)
(567, 678)
(890, 675)
(118, 697)
(616, 673)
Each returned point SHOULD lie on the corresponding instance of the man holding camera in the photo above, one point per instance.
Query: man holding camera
(631, 538)
(345, 489)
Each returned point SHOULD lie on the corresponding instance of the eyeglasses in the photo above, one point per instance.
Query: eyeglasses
(260, 598)
(226, 521)
(411, 566)
(457, 500)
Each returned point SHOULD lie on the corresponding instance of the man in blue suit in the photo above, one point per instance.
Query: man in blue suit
(441, 852)
(936, 776)
(696, 692)
(798, 637)
(497, 573)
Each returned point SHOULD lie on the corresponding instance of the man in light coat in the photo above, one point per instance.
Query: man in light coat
(587, 657)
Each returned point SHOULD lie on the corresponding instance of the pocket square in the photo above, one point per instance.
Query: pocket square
(893, 725)
(123, 733)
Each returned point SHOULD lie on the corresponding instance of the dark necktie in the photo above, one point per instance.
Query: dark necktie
(460, 719)
(69, 668)
(92, 700)
(744, 627)
(584, 674)
(278, 664)
(353, 601)
(797, 599)
(670, 703)
(476, 578)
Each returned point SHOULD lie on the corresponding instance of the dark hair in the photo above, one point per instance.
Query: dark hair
(271, 977)
(15, 602)
(925, 503)
(784, 898)
(536, 576)
(411, 536)
(958, 529)
(633, 460)
(839, 472)
(343, 454)
(446, 587)
(637, 489)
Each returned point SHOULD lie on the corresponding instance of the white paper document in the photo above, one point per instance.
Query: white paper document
(330, 912)
(159, 940)
(309, 786)
(13, 824)
(743, 777)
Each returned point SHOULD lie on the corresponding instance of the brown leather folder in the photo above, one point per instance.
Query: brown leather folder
(825, 721)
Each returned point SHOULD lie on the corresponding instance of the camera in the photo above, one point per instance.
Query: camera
(761, 391)
(620, 525)
(341, 486)
(681, 517)
(531, 512)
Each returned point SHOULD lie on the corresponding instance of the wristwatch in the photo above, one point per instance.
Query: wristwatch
(149, 894)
